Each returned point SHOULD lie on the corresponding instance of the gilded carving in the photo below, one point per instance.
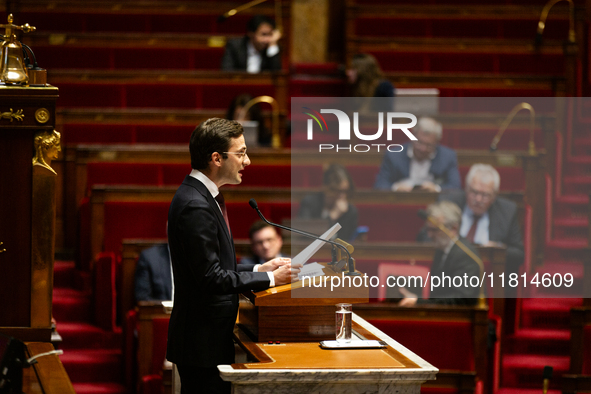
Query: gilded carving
(42, 115)
(18, 115)
(47, 148)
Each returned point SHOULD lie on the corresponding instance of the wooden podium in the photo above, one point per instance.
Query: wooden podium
(294, 312)
(27, 209)
(295, 321)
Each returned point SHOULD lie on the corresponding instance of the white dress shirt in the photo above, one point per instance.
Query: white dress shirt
(254, 58)
(418, 171)
(481, 235)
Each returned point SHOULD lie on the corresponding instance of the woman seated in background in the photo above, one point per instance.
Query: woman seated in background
(367, 80)
(254, 114)
(332, 203)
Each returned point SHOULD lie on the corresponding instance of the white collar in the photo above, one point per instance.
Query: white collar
(212, 187)
(410, 154)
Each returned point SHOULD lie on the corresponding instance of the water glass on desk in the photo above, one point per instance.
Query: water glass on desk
(343, 320)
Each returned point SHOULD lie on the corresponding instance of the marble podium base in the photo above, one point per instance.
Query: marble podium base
(347, 381)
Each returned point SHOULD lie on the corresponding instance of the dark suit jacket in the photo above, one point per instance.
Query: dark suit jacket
(311, 208)
(236, 54)
(207, 279)
(457, 263)
(503, 226)
(152, 274)
(396, 166)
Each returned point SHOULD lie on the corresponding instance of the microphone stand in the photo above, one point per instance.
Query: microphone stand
(509, 118)
(544, 16)
(350, 260)
(276, 138)
(250, 4)
(456, 240)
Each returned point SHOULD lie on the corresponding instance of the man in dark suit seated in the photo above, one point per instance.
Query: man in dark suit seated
(153, 275)
(265, 243)
(487, 219)
(255, 52)
(207, 279)
(423, 164)
(450, 260)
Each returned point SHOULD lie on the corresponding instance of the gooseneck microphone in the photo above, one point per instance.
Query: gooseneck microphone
(351, 263)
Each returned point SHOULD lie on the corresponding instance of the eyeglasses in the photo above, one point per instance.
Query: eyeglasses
(240, 155)
(484, 196)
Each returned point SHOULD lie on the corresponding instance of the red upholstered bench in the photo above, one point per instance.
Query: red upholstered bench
(424, 338)
(187, 21)
(453, 27)
(70, 57)
(112, 133)
(154, 95)
(393, 223)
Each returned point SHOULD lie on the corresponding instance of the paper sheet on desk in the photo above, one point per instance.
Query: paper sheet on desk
(309, 251)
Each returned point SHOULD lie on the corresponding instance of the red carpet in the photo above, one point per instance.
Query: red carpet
(92, 356)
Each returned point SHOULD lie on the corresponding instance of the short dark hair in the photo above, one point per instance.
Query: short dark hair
(258, 226)
(213, 135)
(253, 23)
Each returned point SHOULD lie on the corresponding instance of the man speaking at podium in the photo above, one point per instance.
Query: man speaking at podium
(207, 279)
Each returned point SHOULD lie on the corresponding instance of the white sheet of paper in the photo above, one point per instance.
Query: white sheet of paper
(311, 270)
(309, 251)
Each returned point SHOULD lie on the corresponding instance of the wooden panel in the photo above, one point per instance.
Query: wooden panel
(48, 375)
(17, 127)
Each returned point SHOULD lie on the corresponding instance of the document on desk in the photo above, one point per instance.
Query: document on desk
(305, 255)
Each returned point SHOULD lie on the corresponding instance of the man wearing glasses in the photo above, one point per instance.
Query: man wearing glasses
(207, 279)
(487, 219)
(422, 165)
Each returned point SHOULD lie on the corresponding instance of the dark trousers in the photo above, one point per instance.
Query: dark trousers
(199, 380)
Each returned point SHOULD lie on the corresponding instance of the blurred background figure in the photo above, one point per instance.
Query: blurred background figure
(255, 52)
(153, 275)
(423, 165)
(487, 219)
(265, 243)
(255, 131)
(366, 79)
(449, 259)
(332, 203)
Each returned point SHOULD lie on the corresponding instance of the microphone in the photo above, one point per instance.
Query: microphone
(544, 16)
(236, 10)
(547, 376)
(425, 216)
(351, 262)
(509, 118)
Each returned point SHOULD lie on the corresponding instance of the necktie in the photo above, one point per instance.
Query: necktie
(472, 231)
(220, 199)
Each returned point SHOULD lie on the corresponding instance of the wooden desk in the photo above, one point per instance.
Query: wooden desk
(400, 369)
(48, 376)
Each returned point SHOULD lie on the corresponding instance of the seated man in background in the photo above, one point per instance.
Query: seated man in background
(423, 164)
(487, 219)
(153, 275)
(449, 260)
(265, 243)
(255, 52)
